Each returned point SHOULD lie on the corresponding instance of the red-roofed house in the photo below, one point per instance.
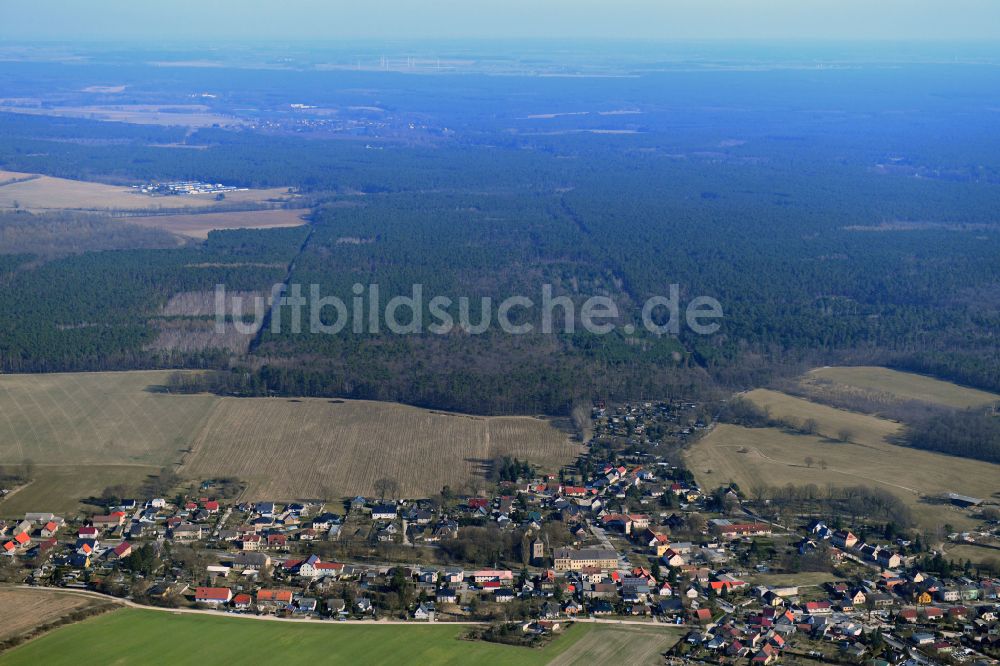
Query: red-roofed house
(702, 615)
(328, 569)
(270, 599)
(933, 613)
(213, 595)
(844, 539)
(818, 607)
(766, 655)
(108, 521)
(122, 550)
(484, 575)
(737, 531)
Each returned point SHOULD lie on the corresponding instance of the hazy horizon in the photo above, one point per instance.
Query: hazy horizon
(557, 20)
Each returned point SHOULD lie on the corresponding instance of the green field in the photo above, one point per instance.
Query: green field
(620, 644)
(61, 488)
(132, 636)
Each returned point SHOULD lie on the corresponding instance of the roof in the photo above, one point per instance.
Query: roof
(274, 595)
(586, 554)
(502, 574)
(328, 566)
(965, 499)
(213, 593)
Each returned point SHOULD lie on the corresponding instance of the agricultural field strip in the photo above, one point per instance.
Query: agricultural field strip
(72, 406)
(34, 610)
(353, 444)
(83, 417)
(279, 446)
(904, 385)
(828, 469)
(867, 430)
(14, 437)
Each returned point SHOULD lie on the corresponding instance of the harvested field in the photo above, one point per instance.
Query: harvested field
(198, 225)
(96, 418)
(308, 448)
(82, 432)
(621, 644)
(37, 609)
(849, 447)
(86, 431)
(44, 193)
(902, 385)
(831, 422)
(768, 456)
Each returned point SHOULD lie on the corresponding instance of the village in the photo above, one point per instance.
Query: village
(624, 535)
(186, 187)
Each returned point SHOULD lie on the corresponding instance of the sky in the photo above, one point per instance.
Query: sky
(337, 20)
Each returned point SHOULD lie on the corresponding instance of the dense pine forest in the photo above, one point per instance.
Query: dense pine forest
(858, 228)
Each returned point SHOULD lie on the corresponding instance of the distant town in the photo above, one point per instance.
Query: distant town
(186, 187)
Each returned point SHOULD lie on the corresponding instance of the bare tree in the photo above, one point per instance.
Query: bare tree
(582, 421)
(386, 487)
(696, 522)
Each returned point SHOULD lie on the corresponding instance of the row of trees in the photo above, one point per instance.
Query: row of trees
(967, 433)
(851, 502)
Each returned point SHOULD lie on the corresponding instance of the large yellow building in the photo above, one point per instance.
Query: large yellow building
(568, 559)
